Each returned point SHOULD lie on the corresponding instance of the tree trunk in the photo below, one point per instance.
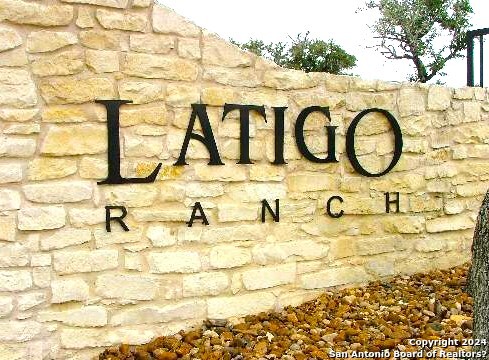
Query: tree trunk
(478, 278)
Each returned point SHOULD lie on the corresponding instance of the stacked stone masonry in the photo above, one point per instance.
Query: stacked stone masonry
(67, 287)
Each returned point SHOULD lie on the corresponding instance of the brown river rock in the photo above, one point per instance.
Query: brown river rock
(380, 316)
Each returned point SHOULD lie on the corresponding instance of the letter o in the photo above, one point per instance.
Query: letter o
(350, 142)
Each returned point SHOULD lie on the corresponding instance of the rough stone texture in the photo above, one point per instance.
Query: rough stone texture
(80, 261)
(128, 287)
(58, 192)
(9, 39)
(74, 289)
(44, 41)
(57, 57)
(116, 20)
(23, 12)
(75, 140)
(41, 218)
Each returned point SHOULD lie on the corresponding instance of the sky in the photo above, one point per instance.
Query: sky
(276, 20)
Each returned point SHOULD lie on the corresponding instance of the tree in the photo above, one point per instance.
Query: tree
(309, 55)
(478, 279)
(427, 32)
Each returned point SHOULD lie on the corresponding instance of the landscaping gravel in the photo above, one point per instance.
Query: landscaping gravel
(383, 317)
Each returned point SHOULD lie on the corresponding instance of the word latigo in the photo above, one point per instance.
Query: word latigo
(199, 112)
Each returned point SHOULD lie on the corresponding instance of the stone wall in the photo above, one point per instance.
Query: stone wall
(68, 286)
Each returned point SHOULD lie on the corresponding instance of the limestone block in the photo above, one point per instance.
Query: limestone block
(143, 146)
(48, 168)
(58, 192)
(472, 112)
(216, 51)
(133, 262)
(334, 277)
(465, 93)
(446, 170)
(189, 48)
(166, 21)
(288, 79)
(99, 39)
(472, 189)
(121, 21)
(10, 173)
(204, 284)
(160, 67)
(341, 248)
(40, 260)
(237, 212)
(102, 61)
(186, 234)
(218, 96)
(402, 184)
(381, 267)
(13, 58)
(9, 39)
(141, 92)
(226, 173)
(65, 290)
(85, 18)
(105, 239)
(23, 12)
(234, 77)
(429, 244)
(357, 101)
(270, 276)
(152, 44)
(439, 98)
(279, 252)
(227, 256)
(11, 146)
(449, 223)
(90, 338)
(261, 172)
(301, 182)
(86, 217)
(194, 309)
(15, 280)
(121, 4)
(141, 3)
(131, 195)
(71, 262)
(70, 91)
(233, 233)
(453, 206)
(7, 227)
(13, 255)
(75, 140)
(17, 88)
(251, 192)
(182, 96)
(160, 236)
(126, 287)
(22, 129)
(9, 200)
(87, 316)
(18, 115)
(41, 276)
(405, 224)
(204, 189)
(371, 246)
(238, 306)
(6, 306)
(19, 331)
(167, 213)
(134, 115)
(44, 41)
(174, 261)
(411, 101)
